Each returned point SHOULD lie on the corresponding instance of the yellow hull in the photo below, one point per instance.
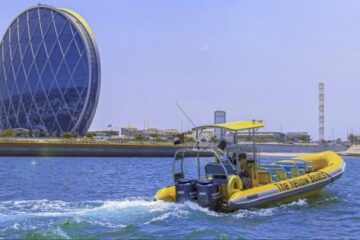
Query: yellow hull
(327, 167)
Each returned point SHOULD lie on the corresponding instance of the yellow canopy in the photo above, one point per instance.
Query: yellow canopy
(233, 126)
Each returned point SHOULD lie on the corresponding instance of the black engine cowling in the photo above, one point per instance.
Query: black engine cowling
(185, 190)
(208, 194)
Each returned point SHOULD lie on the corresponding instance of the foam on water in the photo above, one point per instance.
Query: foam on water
(129, 203)
(47, 208)
(115, 215)
(196, 208)
(176, 213)
(61, 233)
(269, 211)
(30, 215)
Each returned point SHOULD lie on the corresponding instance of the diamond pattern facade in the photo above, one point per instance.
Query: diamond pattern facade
(49, 72)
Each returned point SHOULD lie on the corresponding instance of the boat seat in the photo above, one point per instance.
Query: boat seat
(268, 171)
(307, 166)
(291, 169)
(264, 177)
(301, 164)
(278, 170)
(217, 172)
(318, 164)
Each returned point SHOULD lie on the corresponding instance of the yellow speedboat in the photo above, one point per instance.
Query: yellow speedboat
(232, 177)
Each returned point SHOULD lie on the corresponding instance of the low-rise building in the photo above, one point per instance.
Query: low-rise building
(152, 131)
(102, 136)
(207, 134)
(296, 137)
(263, 137)
(129, 131)
(169, 133)
(149, 132)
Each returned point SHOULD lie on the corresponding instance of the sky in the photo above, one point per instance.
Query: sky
(253, 59)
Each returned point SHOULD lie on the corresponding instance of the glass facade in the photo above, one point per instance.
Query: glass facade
(49, 72)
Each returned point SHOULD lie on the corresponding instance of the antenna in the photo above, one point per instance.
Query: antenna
(188, 118)
(321, 112)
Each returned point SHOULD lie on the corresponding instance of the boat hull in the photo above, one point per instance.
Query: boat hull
(279, 197)
(294, 188)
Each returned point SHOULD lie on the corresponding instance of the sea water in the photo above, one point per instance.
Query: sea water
(111, 198)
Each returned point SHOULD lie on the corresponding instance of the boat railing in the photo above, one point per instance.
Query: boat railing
(199, 153)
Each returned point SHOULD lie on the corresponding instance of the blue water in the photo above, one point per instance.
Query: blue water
(111, 198)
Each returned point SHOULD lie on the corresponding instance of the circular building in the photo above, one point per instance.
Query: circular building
(49, 72)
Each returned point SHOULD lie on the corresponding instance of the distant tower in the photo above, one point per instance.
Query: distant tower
(321, 111)
(219, 117)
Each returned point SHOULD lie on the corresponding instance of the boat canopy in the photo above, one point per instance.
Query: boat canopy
(233, 126)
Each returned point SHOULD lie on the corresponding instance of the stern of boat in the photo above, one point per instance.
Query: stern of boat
(167, 194)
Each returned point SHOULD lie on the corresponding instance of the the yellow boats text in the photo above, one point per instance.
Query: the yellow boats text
(300, 181)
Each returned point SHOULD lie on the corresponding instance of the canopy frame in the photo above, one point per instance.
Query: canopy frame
(233, 126)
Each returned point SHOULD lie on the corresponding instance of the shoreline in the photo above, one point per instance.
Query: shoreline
(86, 150)
(106, 149)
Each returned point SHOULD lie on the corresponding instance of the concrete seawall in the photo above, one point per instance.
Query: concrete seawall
(86, 150)
(122, 150)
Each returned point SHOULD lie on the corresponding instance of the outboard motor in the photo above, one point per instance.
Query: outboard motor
(208, 194)
(185, 190)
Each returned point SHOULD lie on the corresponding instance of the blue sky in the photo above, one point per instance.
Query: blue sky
(253, 59)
